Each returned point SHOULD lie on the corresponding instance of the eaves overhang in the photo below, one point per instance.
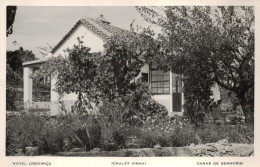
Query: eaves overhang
(34, 63)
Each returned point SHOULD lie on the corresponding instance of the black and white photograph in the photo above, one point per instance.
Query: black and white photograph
(130, 81)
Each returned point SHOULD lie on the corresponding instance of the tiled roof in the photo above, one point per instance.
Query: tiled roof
(103, 29)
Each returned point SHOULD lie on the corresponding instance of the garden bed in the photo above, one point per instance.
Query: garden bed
(35, 134)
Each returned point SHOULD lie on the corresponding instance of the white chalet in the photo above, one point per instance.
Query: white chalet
(94, 33)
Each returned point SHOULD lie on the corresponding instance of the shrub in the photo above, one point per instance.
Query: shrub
(50, 139)
(168, 134)
(177, 133)
(148, 139)
(122, 133)
(233, 133)
(99, 131)
(48, 134)
(113, 112)
(30, 129)
(118, 135)
(141, 107)
(154, 112)
(184, 136)
(85, 131)
(158, 133)
(21, 131)
(134, 109)
(10, 96)
(210, 133)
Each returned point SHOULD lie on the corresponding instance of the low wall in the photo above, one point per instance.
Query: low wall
(64, 107)
(204, 150)
(37, 105)
(57, 107)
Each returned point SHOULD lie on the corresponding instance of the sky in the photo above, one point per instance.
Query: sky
(34, 27)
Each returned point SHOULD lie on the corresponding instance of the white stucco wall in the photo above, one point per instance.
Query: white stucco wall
(144, 69)
(89, 38)
(216, 92)
(164, 100)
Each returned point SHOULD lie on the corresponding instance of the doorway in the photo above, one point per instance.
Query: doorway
(176, 93)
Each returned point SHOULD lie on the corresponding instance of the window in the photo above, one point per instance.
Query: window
(144, 77)
(160, 81)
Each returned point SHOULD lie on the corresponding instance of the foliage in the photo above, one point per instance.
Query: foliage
(152, 134)
(122, 135)
(108, 79)
(108, 76)
(10, 96)
(195, 111)
(14, 73)
(17, 57)
(184, 135)
(210, 133)
(216, 43)
(153, 111)
(169, 133)
(11, 77)
(113, 112)
(30, 129)
(147, 109)
(88, 132)
(178, 134)
(117, 69)
(123, 121)
(10, 17)
(14, 60)
(48, 134)
(139, 107)
(75, 74)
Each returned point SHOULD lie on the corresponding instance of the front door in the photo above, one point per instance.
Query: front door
(176, 93)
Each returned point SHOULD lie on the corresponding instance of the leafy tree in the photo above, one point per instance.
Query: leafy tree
(207, 44)
(109, 78)
(14, 73)
(10, 17)
(117, 68)
(14, 60)
(17, 57)
(74, 73)
(95, 76)
(11, 76)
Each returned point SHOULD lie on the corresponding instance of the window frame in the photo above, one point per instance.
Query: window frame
(166, 79)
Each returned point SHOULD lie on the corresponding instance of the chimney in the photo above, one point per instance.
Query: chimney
(102, 19)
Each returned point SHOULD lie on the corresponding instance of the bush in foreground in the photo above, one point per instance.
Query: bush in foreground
(65, 132)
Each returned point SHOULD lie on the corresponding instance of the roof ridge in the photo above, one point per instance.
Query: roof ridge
(104, 30)
(97, 30)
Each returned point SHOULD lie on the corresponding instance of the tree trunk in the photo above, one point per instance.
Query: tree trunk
(247, 108)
